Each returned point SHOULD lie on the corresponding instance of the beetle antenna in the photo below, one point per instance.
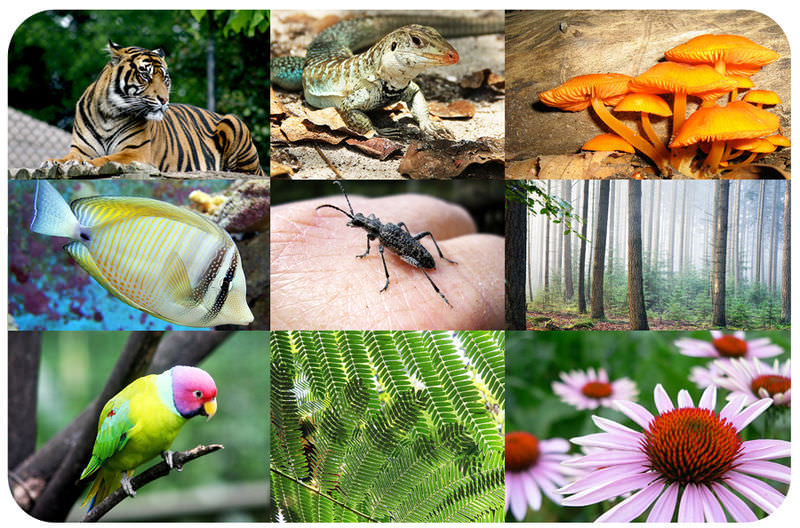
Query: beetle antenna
(352, 213)
(337, 208)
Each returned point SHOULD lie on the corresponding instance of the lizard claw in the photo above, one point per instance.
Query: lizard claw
(437, 131)
(389, 133)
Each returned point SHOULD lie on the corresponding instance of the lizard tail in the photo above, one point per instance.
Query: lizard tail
(287, 72)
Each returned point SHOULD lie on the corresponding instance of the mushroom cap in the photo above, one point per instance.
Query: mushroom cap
(740, 54)
(644, 102)
(779, 140)
(576, 93)
(672, 77)
(608, 142)
(742, 81)
(737, 120)
(758, 145)
(767, 97)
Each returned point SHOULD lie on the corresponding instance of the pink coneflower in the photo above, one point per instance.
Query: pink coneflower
(687, 458)
(533, 466)
(755, 380)
(590, 390)
(724, 347)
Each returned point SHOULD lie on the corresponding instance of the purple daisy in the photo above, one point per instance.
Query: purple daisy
(755, 379)
(723, 347)
(686, 458)
(533, 467)
(590, 390)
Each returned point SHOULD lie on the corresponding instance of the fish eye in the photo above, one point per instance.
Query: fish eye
(198, 394)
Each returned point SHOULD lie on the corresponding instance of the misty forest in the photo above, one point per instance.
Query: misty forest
(658, 255)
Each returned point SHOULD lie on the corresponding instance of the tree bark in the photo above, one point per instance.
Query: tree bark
(720, 246)
(759, 235)
(599, 253)
(735, 235)
(786, 285)
(516, 233)
(638, 315)
(569, 290)
(24, 353)
(611, 212)
(582, 257)
(546, 255)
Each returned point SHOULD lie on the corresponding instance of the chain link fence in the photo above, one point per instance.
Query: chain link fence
(31, 142)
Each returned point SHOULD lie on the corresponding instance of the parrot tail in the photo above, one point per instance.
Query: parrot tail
(104, 484)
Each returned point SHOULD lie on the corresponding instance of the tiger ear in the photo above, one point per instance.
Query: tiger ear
(115, 51)
(159, 52)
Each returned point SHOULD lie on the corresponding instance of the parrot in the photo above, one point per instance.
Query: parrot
(141, 422)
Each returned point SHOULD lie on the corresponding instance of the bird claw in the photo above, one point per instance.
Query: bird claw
(167, 456)
(125, 484)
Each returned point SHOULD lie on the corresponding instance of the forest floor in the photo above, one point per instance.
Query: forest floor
(570, 320)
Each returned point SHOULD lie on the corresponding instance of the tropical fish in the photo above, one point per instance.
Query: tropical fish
(141, 421)
(169, 262)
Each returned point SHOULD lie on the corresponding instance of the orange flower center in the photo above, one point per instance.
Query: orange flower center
(597, 390)
(691, 445)
(772, 383)
(522, 451)
(730, 346)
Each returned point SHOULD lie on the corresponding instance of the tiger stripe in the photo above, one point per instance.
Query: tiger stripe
(126, 116)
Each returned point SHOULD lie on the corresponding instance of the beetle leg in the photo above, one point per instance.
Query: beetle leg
(385, 269)
(428, 233)
(435, 288)
(367, 251)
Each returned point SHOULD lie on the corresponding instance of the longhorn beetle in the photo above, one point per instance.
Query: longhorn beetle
(397, 238)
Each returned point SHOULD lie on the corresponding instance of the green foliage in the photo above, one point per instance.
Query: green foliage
(387, 426)
(534, 197)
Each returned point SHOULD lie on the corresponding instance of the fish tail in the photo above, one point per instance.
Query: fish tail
(52, 215)
(104, 485)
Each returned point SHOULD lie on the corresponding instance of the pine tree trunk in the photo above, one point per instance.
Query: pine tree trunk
(582, 256)
(599, 252)
(759, 236)
(722, 188)
(516, 233)
(547, 256)
(786, 286)
(638, 315)
(734, 256)
(611, 211)
(569, 291)
(773, 238)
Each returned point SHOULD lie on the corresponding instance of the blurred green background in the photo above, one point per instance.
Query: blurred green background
(228, 485)
(534, 361)
(54, 55)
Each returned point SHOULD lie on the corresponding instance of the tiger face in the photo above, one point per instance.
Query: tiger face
(139, 83)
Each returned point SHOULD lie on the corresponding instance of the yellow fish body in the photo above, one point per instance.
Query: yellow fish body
(169, 262)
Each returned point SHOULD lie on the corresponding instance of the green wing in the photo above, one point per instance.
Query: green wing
(112, 434)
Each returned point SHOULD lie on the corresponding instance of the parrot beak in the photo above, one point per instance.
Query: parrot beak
(210, 408)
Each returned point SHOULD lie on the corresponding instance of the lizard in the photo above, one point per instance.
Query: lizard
(332, 75)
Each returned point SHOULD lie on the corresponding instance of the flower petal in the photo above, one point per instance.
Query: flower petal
(733, 504)
(764, 469)
(609, 441)
(691, 507)
(609, 490)
(709, 399)
(662, 400)
(760, 493)
(635, 412)
(752, 412)
(519, 502)
(664, 508)
(606, 459)
(633, 506)
(532, 493)
(603, 476)
(712, 510)
(764, 449)
(684, 399)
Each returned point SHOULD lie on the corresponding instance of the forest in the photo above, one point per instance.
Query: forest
(616, 255)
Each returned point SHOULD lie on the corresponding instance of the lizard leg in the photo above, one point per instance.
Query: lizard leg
(353, 108)
(419, 109)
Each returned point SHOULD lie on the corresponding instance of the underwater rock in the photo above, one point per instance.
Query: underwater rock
(246, 208)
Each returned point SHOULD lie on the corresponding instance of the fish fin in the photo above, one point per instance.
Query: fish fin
(51, 213)
(97, 210)
(178, 283)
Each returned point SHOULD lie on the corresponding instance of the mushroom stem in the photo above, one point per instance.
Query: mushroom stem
(619, 128)
(744, 162)
(715, 156)
(678, 112)
(653, 137)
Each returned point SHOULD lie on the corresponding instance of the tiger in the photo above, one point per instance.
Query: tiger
(125, 116)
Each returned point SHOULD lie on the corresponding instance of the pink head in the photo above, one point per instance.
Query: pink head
(193, 391)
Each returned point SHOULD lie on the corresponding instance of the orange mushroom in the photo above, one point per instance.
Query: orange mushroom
(608, 143)
(719, 124)
(727, 53)
(682, 80)
(762, 97)
(754, 146)
(779, 140)
(647, 104)
(598, 90)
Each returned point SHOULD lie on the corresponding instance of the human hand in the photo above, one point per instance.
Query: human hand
(317, 283)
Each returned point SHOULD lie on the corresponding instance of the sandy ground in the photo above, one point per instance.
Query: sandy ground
(289, 36)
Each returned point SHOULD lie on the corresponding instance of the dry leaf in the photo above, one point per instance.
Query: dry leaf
(377, 147)
(279, 169)
(448, 159)
(276, 108)
(455, 110)
(298, 129)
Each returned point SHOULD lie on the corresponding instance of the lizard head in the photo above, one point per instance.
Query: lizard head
(415, 48)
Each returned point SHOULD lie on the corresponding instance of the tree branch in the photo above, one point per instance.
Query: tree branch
(153, 473)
